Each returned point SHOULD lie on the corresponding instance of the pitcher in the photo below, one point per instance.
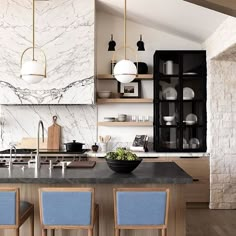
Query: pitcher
(168, 67)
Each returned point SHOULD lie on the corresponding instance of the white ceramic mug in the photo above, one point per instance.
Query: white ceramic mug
(168, 67)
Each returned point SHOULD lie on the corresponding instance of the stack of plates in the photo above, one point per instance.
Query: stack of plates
(122, 117)
(188, 93)
(109, 119)
(169, 94)
(189, 73)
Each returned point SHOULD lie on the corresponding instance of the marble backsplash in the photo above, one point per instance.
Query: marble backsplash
(78, 123)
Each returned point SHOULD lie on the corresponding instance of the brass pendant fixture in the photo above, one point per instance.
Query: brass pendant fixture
(33, 71)
(125, 70)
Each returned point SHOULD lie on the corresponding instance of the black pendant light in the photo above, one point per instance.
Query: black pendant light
(111, 44)
(140, 44)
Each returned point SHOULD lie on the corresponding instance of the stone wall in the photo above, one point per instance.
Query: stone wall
(221, 108)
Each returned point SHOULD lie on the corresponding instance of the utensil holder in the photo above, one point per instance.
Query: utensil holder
(103, 147)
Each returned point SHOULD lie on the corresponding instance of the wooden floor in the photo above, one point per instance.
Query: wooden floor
(205, 222)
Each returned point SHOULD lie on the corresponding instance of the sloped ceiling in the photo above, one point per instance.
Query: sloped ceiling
(173, 16)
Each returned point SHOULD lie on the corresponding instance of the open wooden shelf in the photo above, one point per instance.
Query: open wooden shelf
(127, 123)
(110, 77)
(124, 100)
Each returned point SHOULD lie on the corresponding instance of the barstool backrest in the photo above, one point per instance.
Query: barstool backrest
(9, 207)
(66, 206)
(141, 207)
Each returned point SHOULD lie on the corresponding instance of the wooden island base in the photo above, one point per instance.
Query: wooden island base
(104, 197)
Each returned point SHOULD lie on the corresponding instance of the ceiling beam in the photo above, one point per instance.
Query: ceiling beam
(225, 6)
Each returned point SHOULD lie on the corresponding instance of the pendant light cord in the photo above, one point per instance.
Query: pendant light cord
(33, 28)
(125, 28)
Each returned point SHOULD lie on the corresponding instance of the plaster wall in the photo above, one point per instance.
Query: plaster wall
(154, 39)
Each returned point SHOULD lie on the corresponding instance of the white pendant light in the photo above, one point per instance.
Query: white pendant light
(125, 71)
(33, 71)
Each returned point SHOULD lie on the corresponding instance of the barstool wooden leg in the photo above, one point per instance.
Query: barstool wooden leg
(90, 232)
(163, 232)
(44, 232)
(17, 232)
(117, 232)
(32, 223)
(97, 223)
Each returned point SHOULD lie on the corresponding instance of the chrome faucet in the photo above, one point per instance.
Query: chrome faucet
(37, 158)
(10, 160)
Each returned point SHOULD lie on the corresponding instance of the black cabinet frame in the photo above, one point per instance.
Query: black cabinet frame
(199, 79)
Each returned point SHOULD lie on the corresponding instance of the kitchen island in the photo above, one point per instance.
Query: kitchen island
(164, 174)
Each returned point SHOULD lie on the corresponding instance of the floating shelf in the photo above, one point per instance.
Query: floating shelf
(127, 124)
(124, 100)
(110, 77)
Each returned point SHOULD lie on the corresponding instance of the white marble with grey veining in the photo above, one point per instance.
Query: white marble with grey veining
(78, 123)
(65, 31)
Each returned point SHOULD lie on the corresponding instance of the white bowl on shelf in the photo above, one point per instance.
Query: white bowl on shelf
(104, 94)
(189, 122)
(168, 119)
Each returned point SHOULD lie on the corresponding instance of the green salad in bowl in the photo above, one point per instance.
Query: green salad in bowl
(122, 154)
(122, 161)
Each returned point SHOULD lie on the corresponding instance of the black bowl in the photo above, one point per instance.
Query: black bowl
(120, 166)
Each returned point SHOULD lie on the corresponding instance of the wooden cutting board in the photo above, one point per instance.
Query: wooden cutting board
(54, 135)
(82, 164)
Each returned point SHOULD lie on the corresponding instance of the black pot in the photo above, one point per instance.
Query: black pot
(142, 67)
(120, 166)
(74, 146)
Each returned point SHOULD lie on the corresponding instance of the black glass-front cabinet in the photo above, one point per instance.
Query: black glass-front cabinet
(180, 101)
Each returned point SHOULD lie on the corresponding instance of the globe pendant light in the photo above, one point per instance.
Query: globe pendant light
(125, 71)
(33, 71)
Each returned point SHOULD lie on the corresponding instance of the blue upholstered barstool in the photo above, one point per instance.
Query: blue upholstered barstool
(141, 208)
(68, 208)
(13, 212)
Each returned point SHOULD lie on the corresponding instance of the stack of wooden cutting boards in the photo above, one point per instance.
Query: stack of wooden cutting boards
(51, 143)
(54, 135)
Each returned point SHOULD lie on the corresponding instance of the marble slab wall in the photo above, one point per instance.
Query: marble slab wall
(65, 32)
(78, 123)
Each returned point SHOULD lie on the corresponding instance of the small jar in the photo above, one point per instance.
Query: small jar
(95, 147)
(113, 63)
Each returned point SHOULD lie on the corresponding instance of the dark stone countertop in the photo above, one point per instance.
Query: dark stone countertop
(159, 173)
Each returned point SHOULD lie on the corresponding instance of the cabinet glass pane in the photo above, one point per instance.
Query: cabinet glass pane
(193, 88)
(193, 138)
(194, 64)
(169, 88)
(168, 113)
(168, 138)
(193, 113)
